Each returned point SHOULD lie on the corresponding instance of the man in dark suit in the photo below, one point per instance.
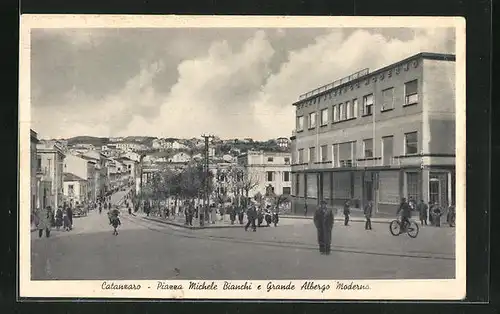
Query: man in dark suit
(323, 220)
(251, 216)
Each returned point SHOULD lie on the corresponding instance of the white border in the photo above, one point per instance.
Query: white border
(379, 289)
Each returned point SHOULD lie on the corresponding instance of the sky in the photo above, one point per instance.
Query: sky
(185, 82)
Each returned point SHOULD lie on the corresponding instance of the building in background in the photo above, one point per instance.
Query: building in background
(75, 189)
(269, 170)
(51, 161)
(283, 142)
(378, 137)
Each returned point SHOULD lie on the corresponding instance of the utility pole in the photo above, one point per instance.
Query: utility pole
(206, 170)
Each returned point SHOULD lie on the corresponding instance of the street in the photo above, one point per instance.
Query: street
(150, 250)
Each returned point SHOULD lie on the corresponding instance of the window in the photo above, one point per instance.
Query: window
(270, 159)
(301, 156)
(349, 110)
(71, 189)
(300, 123)
(387, 99)
(286, 176)
(312, 120)
(324, 153)
(345, 154)
(342, 112)
(269, 176)
(297, 184)
(324, 117)
(39, 164)
(335, 117)
(355, 107)
(312, 154)
(387, 149)
(412, 185)
(411, 92)
(287, 160)
(335, 148)
(368, 148)
(286, 190)
(367, 105)
(411, 143)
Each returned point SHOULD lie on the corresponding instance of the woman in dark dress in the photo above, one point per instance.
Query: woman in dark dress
(59, 218)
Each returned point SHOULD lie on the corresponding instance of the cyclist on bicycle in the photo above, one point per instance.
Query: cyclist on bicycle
(405, 211)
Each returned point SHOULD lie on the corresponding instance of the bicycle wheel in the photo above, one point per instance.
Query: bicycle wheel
(395, 228)
(413, 230)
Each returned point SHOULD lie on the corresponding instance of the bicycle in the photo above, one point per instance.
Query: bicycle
(396, 228)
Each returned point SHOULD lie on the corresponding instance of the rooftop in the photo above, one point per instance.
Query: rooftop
(366, 72)
(68, 176)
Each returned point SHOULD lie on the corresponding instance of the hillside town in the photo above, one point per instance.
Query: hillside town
(83, 171)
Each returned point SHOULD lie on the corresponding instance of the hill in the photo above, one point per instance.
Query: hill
(96, 141)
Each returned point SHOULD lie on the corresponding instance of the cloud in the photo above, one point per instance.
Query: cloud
(231, 87)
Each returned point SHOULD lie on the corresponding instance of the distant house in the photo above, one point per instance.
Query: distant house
(74, 189)
(180, 157)
(283, 142)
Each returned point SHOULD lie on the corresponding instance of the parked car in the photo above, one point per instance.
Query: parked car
(80, 211)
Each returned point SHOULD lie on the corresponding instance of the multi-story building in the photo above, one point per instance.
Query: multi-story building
(50, 160)
(99, 173)
(269, 170)
(378, 136)
(129, 146)
(83, 167)
(34, 170)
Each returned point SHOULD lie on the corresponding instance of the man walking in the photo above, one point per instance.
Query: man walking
(368, 210)
(251, 216)
(44, 221)
(422, 212)
(323, 221)
(347, 212)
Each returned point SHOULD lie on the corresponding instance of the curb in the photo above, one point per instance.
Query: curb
(191, 227)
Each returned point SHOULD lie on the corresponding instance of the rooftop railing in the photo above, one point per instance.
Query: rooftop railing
(335, 83)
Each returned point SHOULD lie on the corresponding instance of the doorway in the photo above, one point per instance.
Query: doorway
(438, 189)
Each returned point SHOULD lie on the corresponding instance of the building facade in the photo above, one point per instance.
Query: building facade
(75, 189)
(378, 137)
(34, 171)
(268, 170)
(51, 164)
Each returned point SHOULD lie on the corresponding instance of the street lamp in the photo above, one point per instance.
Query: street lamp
(206, 170)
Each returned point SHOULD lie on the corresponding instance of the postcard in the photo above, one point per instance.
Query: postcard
(242, 157)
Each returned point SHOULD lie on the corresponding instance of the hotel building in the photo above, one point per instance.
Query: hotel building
(378, 136)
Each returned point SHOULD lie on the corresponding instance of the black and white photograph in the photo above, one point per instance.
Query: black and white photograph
(242, 157)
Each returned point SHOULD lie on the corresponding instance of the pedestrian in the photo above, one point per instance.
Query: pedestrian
(70, 217)
(422, 212)
(347, 212)
(251, 216)
(260, 216)
(100, 208)
(129, 209)
(66, 223)
(451, 215)
(323, 221)
(368, 211)
(276, 216)
(241, 214)
(436, 214)
(114, 220)
(232, 214)
(59, 218)
(43, 216)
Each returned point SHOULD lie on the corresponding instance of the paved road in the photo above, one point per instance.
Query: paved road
(149, 250)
